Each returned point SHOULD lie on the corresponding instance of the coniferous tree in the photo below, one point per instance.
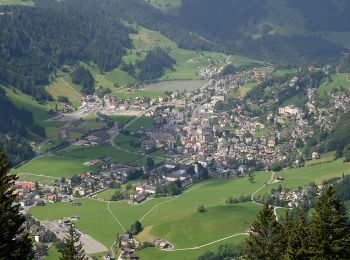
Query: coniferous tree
(293, 237)
(14, 241)
(73, 248)
(263, 237)
(329, 228)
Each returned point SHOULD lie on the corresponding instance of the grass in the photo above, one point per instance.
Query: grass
(106, 195)
(53, 254)
(188, 62)
(177, 219)
(142, 122)
(262, 132)
(90, 153)
(59, 88)
(154, 253)
(316, 173)
(16, 2)
(121, 119)
(338, 80)
(22, 100)
(54, 166)
(46, 180)
(200, 228)
(91, 123)
(243, 90)
(176, 85)
(326, 157)
(122, 93)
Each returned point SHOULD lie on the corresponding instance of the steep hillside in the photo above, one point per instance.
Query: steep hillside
(276, 30)
(15, 123)
(37, 41)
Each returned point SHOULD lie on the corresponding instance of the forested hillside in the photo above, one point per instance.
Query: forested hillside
(13, 130)
(250, 27)
(36, 41)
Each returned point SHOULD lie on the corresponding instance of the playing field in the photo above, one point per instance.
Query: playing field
(54, 166)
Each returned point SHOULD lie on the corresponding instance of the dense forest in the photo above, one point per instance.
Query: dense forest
(340, 135)
(238, 26)
(152, 67)
(83, 77)
(14, 126)
(37, 41)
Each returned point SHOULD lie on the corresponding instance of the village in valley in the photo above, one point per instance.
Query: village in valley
(217, 130)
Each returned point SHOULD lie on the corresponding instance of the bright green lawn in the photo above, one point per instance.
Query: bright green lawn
(200, 228)
(106, 195)
(54, 166)
(90, 153)
(142, 122)
(53, 254)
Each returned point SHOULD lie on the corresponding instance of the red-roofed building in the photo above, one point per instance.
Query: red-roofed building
(24, 185)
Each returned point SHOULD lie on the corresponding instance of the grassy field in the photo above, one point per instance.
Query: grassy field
(91, 123)
(243, 90)
(154, 253)
(177, 219)
(90, 153)
(316, 173)
(54, 166)
(122, 93)
(326, 157)
(176, 85)
(46, 180)
(53, 254)
(338, 80)
(143, 122)
(16, 2)
(60, 88)
(106, 195)
(121, 119)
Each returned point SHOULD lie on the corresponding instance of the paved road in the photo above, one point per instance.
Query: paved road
(90, 245)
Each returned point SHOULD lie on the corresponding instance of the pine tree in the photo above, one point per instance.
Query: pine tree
(73, 248)
(263, 237)
(293, 238)
(329, 228)
(14, 241)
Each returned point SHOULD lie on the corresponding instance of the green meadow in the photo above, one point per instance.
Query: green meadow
(315, 173)
(143, 122)
(338, 80)
(177, 219)
(54, 166)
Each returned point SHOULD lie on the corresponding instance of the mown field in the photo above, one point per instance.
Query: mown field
(54, 166)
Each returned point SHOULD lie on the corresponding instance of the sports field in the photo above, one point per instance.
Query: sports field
(54, 166)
